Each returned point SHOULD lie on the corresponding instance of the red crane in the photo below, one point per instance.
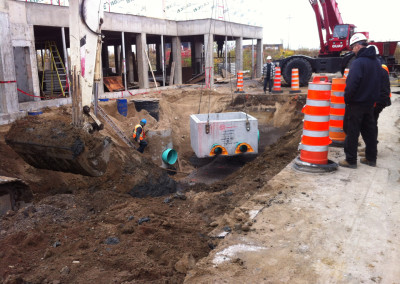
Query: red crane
(335, 53)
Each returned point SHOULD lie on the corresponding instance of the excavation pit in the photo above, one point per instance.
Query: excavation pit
(180, 210)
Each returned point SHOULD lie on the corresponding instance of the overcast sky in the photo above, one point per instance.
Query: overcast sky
(299, 28)
(291, 22)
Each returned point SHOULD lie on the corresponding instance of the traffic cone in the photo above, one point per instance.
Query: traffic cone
(295, 81)
(346, 72)
(277, 81)
(337, 110)
(315, 139)
(239, 84)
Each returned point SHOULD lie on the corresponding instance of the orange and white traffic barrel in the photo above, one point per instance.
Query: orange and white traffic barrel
(336, 133)
(295, 81)
(277, 81)
(239, 84)
(315, 140)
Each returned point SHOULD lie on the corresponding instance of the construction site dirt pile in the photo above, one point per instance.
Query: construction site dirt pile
(57, 131)
(91, 230)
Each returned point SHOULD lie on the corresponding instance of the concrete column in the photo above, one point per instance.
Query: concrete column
(33, 70)
(209, 59)
(226, 54)
(177, 56)
(143, 66)
(252, 60)
(158, 56)
(259, 58)
(198, 60)
(8, 91)
(239, 54)
(104, 58)
(129, 60)
(116, 58)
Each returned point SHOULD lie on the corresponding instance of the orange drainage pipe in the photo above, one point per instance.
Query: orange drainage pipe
(218, 150)
(243, 148)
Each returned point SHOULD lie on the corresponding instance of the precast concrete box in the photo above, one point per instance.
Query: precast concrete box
(229, 133)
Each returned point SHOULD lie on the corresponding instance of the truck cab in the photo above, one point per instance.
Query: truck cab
(340, 38)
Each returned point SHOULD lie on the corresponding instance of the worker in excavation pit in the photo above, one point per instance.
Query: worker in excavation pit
(139, 134)
(362, 90)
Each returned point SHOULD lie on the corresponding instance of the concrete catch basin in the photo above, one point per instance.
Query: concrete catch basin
(228, 134)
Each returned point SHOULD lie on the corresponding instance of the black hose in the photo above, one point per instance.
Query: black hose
(84, 20)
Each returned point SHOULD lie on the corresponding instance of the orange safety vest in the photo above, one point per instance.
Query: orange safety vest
(142, 135)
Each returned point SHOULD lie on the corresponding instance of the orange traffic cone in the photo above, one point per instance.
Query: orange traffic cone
(337, 110)
(239, 84)
(295, 81)
(315, 139)
(277, 81)
(346, 72)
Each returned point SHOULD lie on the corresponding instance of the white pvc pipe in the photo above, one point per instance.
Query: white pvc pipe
(123, 60)
(65, 56)
(162, 60)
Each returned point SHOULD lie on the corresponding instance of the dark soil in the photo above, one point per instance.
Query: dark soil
(131, 225)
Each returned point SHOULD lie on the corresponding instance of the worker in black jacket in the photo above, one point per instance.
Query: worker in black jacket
(362, 90)
(384, 95)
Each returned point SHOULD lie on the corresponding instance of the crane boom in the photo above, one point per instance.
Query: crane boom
(335, 53)
(327, 20)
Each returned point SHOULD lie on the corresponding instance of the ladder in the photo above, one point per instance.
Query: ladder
(117, 130)
(55, 80)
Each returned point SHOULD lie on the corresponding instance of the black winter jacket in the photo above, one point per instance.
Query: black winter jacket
(384, 96)
(363, 84)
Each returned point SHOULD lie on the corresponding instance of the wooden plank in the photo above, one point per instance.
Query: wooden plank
(114, 83)
(197, 79)
(179, 164)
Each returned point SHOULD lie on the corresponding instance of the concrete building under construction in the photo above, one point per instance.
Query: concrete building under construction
(35, 40)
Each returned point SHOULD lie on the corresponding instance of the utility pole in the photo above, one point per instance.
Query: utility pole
(289, 18)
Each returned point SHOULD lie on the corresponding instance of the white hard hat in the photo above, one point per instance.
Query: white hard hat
(269, 57)
(357, 37)
(376, 48)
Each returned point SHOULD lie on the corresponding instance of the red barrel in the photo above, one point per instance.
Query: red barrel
(315, 139)
(336, 132)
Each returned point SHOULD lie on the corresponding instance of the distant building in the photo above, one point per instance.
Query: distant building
(278, 46)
